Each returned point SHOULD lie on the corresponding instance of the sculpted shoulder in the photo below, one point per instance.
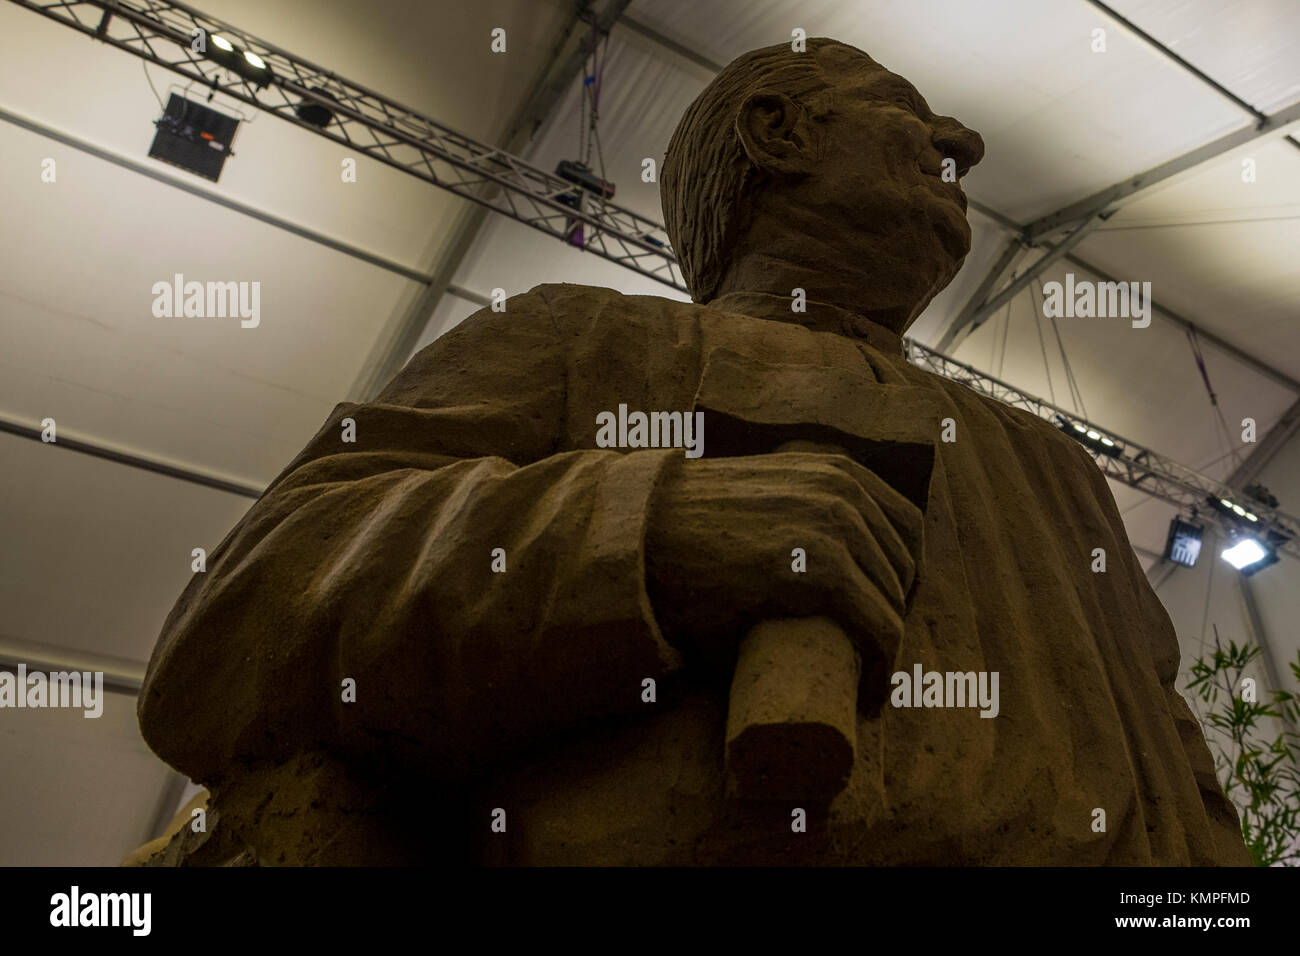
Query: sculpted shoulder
(564, 309)
(1015, 418)
(580, 307)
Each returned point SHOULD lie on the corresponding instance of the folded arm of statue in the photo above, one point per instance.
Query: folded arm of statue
(476, 589)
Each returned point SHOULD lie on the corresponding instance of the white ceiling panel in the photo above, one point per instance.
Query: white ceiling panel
(80, 343)
(96, 553)
(77, 791)
(1059, 121)
(1249, 48)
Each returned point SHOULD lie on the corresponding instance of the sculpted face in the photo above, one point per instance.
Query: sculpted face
(884, 148)
(863, 169)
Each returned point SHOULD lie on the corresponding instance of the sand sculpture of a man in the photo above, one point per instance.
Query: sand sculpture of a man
(475, 634)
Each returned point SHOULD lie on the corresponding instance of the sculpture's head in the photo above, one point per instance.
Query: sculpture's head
(826, 158)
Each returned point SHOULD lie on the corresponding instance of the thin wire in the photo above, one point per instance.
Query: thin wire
(1038, 323)
(993, 347)
(1076, 394)
(1221, 422)
(144, 65)
(1006, 332)
(582, 118)
(595, 97)
(1209, 589)
(1006, 328)
(588, 93)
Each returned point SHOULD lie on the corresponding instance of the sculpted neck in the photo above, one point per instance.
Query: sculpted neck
(804, 252)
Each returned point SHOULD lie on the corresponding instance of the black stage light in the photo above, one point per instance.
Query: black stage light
(1183, 546)
(194, 137)
(1261, 494)
(1089, 437)
(581, 176)
(316, 114)
(244, 62)
(1231, 508)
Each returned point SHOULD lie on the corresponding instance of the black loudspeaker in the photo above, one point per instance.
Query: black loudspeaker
(194, 137)
(1183, 546)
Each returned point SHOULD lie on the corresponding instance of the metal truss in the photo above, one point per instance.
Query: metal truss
(1126, 461)
(164, 32)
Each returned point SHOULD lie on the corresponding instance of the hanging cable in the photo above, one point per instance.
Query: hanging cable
(1222, 423)
(1076, 394)
(1038, 323)
(993, 346)
(592, 87)
(1006, 331)
(145, 65)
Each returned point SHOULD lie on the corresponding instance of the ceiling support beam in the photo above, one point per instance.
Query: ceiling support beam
(951, 333)
(120, 674)
(1195, 71)
(1266, 448)
(133, 459)
(1244, 358)
(1010, 252)
(966, 323)
(685, 52)
(1271, 670)
(1108, 199)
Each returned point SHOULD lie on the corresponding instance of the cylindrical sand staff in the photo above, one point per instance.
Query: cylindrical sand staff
(792, 716)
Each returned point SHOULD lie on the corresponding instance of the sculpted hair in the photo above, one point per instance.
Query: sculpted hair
(708, 183)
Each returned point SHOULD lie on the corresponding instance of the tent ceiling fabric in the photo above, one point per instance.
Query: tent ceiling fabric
(102, 550)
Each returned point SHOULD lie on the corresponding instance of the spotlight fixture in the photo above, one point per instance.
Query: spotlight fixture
(1226, 507)
(194, 137)
(586, 181)
(1258, 492)
(1249, 555)
(1183, 546)
(1090, 438)
(244, 62)
(313, 113)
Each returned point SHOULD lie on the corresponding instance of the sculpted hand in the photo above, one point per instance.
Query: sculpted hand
(719, 549)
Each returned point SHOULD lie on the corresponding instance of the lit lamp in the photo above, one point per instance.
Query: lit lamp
(1249, 555)
(1089, 438)
(244, 62)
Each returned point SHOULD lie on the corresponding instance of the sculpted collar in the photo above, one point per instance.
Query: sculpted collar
(820, 317)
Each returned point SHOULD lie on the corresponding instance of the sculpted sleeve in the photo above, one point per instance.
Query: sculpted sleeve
(1218, 841)
(1221, 816)
(373, 560)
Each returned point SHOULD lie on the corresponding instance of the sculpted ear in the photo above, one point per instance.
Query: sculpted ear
(775, 134)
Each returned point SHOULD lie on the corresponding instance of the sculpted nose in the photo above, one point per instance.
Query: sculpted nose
(952, 139)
